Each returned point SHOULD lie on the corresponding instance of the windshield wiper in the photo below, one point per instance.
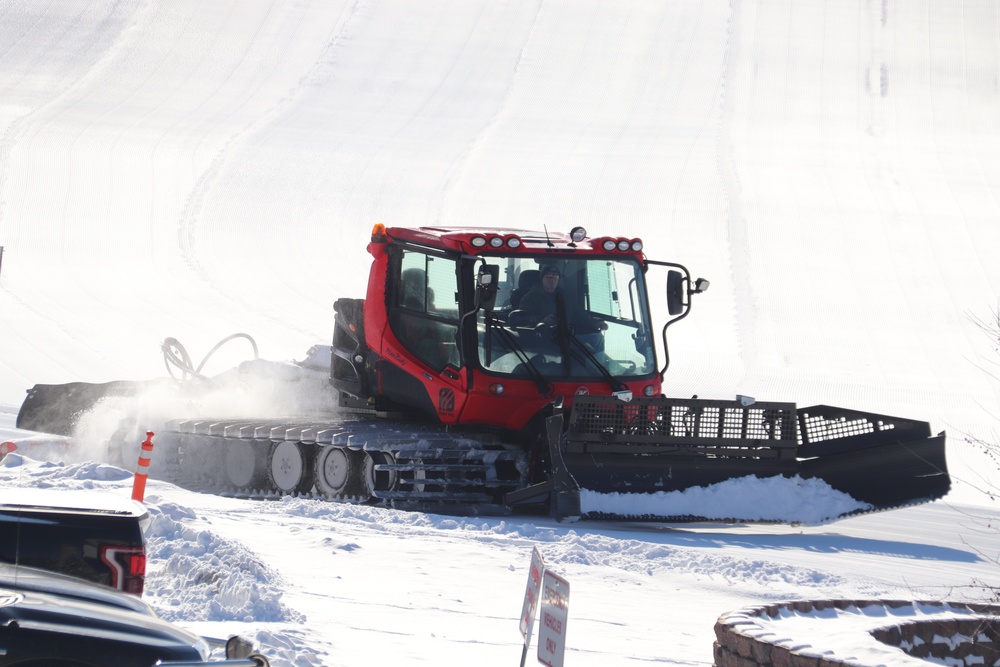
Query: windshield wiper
(616, 384)
(563, 333)
(509, 340)
(566, 335)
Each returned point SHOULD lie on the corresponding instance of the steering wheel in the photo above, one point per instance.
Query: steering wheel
(522, 319)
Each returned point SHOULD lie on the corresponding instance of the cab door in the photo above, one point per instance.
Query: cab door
(424, 318)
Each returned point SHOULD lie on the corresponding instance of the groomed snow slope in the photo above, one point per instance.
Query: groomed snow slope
(194, 169)
(189, 170)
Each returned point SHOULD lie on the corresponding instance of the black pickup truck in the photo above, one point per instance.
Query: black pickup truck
(51, 620)
(90, 535)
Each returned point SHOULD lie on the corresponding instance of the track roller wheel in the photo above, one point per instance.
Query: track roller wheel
(289, 468)
(119, 445)
(334, 470)
(381, 480)
(241, 464)
(417, 477)
(364, 478)
(198, 461)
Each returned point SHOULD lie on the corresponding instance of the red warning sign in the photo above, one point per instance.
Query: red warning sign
(531, 595)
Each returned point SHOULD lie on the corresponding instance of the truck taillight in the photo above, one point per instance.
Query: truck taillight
(127, 565)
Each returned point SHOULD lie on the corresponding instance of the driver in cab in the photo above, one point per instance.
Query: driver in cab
(541, 302)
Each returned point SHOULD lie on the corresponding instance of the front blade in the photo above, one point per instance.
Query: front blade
(653, 445)
(56, 408)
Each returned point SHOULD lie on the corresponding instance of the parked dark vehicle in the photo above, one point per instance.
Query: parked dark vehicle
(91, 535)
(51, 620)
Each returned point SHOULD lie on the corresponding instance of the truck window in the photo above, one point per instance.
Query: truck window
(604, 290)
(604, 304)
(425, 313)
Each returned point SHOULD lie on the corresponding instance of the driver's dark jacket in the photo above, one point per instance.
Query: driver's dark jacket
(540, 304)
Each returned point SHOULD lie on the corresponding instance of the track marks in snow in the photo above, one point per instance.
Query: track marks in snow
(563, 547)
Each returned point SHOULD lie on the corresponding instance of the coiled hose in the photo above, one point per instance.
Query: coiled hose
(175, 356)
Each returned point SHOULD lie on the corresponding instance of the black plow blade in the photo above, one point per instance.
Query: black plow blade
(652, 445)
(884, 461)
(56, 408)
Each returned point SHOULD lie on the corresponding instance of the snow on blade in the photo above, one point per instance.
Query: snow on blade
(751, 498)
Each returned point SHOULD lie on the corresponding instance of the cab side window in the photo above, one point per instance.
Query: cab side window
(425, 309)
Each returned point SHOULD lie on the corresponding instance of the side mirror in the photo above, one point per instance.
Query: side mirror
(675, 292)
(487, 281)
(679, 292)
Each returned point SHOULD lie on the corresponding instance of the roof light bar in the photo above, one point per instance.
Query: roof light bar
(511, 241)
(619, 244)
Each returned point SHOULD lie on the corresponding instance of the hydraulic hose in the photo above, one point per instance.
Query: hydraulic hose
(175, 356)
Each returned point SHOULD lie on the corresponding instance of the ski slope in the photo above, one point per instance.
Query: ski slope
(192, 170)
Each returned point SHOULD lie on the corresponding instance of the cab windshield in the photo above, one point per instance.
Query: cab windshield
(571, 319)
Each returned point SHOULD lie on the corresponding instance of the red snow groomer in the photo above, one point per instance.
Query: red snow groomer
(492, 369)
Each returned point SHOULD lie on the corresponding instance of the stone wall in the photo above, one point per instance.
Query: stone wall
(861, 633)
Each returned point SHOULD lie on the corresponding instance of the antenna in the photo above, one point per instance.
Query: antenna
(547, 239)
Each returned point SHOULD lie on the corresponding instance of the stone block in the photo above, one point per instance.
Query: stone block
(781, 657)
(742, 645)
(761, 652)
(800, 660)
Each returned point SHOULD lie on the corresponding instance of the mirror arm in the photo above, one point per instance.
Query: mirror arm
(687, 290)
